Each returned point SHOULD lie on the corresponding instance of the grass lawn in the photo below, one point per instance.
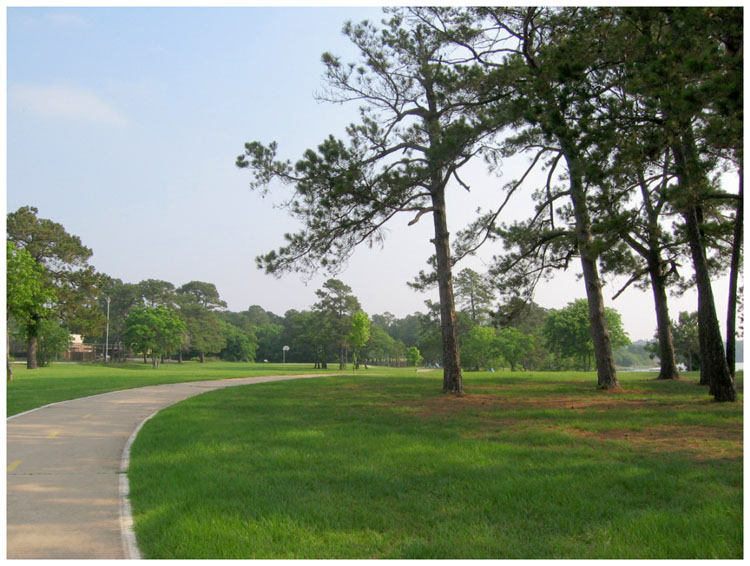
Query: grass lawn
(63, 381)
(526, 465)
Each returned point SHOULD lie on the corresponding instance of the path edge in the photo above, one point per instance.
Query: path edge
(127, 533)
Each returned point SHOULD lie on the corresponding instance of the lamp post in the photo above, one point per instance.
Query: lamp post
(106, 339)
(284, 350)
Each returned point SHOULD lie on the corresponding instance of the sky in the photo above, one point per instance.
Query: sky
(124, 124)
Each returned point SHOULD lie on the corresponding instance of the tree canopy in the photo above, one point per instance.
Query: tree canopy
(154, 330)
(568, 332)
(66, 275)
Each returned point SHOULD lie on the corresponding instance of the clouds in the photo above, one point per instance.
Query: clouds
(66, 19)
(30, 18)
(64, 102)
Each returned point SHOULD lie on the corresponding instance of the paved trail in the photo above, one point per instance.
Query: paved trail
(64, 477)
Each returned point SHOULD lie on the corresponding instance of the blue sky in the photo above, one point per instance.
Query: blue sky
(123, 124)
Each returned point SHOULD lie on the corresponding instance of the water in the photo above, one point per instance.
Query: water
(737, 367)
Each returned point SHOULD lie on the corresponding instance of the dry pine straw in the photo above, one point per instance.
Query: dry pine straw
(694, 441)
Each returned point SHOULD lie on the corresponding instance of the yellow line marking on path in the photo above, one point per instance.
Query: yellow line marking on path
(14, 465)
(53, 434)
(88, 416)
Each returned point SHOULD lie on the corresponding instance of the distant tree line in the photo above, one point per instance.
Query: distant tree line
(156, 319)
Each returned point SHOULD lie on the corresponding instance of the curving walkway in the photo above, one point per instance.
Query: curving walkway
(66, 466)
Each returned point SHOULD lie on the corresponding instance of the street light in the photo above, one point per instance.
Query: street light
(106, 339)
(284, 350)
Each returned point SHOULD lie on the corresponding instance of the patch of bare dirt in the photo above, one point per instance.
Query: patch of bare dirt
(699, 442)
(443, 404)
(702, 442)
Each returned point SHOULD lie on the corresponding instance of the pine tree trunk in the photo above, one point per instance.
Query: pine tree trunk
(667, 359)
(733, 274)
(452, 376)
(605, 361)
(713, 357)
(714, 368)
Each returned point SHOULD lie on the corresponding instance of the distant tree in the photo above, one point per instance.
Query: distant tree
(529, 318)
(154, 330)
(359, 335)
(205, 333)
(474, 294)
(406, 329)
(398, 352)
(204, 294)
(337, 305)
(270, 341)
(240, 345)
(264, 325)
(156, 293)
(480, 348)
(413, 356)
(54, 339)
(384, 320)
(380, 345)
(26, 296)
(310, 336)
(258, 316)
(514, 346)
(568, 334)
(67, 274)
(198, 302)
(686, 340)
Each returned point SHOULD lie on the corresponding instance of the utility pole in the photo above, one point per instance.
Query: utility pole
(106, 339)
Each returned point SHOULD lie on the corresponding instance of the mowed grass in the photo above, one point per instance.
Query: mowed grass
(63, 381)
(526, 465)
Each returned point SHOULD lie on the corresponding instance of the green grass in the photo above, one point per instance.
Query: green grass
(61, 381)
(526, 465)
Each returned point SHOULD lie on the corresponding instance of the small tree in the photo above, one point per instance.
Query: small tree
(413, 357)
(686, 340)
(359, 336)
(54, 340)
(156, 330)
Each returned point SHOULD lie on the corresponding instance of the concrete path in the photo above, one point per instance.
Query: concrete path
(64, 492)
